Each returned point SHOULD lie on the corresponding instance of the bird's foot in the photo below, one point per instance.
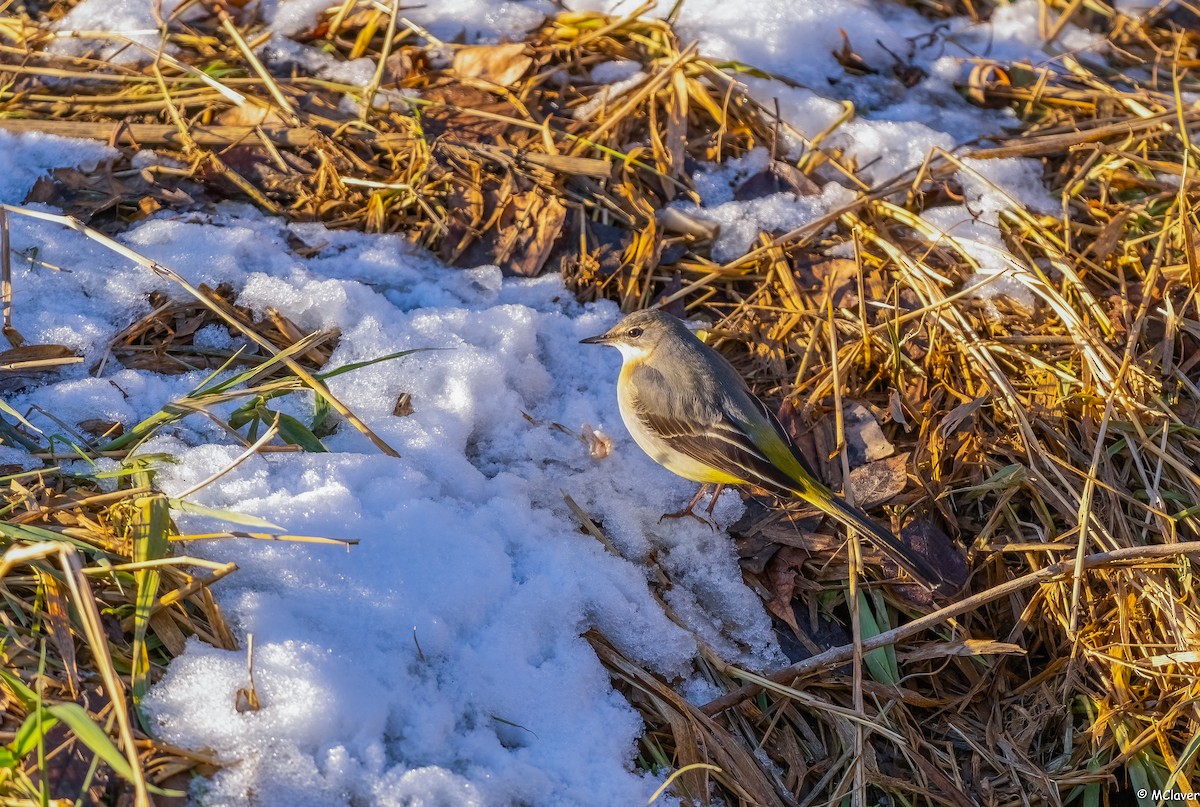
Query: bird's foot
(689, 511)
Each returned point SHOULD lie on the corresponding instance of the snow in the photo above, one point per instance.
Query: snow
(988, 188)
(467, 546)
(440, 661)
(133, 27)
(28, 156)
(742, 221)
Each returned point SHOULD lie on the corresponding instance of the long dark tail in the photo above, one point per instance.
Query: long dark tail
(916, 565)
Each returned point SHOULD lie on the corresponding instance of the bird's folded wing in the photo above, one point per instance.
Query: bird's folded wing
(719, 444)
(700, 426)
(805, 465)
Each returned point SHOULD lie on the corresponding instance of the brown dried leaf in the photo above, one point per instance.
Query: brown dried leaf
(674, 220)
(958, 415)
(778, 177)
(58, 619)
(37, 357)
(804, 438)
(247, 700)
(877, 482)
(924, 537)
(403, 63)
(850, 61)
(444, 118)
(251, 115)
(865, 441)
(499, 64)
(599, 443)
(68, 772)
(781, 584)
(168, 632)
(1109, 238)
(101, 428)
(964, 647)
(527, 231)
(989, 86)
(82, 195)
(835, 273)
(676, 133)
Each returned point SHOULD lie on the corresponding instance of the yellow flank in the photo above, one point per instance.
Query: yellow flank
(688, 468)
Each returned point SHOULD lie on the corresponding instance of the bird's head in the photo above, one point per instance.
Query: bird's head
(639, 334)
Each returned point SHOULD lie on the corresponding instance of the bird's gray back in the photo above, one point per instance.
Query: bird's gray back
(688, 379)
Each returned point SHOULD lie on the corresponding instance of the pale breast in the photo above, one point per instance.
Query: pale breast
(660, 450)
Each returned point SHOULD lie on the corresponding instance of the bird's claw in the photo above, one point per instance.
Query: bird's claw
(688, 513)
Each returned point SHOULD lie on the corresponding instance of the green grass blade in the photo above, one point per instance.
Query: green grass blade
(297, 434)
(18, 689)
(882, 661)
(31, 732)
(15, 415)
(151, 526)
(345, 368)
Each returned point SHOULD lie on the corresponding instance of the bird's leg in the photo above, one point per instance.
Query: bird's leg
(687, 511)
(716, 495)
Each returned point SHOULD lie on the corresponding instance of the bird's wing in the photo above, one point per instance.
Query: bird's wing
(756, 450)
(785, 437)
(704, 431)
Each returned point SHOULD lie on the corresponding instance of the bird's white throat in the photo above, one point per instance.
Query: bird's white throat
(630, 352)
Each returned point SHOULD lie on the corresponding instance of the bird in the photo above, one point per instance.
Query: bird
(687, 407)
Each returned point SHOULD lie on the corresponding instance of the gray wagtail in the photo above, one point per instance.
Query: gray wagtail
(690, 410)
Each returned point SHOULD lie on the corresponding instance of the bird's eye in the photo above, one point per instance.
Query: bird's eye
(634, 333)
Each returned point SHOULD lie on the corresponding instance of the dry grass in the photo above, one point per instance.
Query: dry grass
(1054, 440)
(97, 599)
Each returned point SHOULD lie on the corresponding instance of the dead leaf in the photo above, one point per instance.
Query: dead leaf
(148, 206)
(958, 415)
(68, 773)
(402, 63)
(101, 428)
(865, 441)
(246, 701)
(443, 118)
(965, 647)
(910, 75)
(58, 619)
(778, 177)
(250, 114)
(499, 64)
(850, 61)
(676, 133)
(527, 232)
(781, 582)
(877, 482)
(835, 273)
(925, 538)
(989, 86)
(896, 410)
(403, 407)
(599, 443)
(674, 220)
(168, 632)
(82, 195)
(805, 439)
(36, 357)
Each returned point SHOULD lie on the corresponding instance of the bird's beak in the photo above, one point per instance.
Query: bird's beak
(602, 339)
